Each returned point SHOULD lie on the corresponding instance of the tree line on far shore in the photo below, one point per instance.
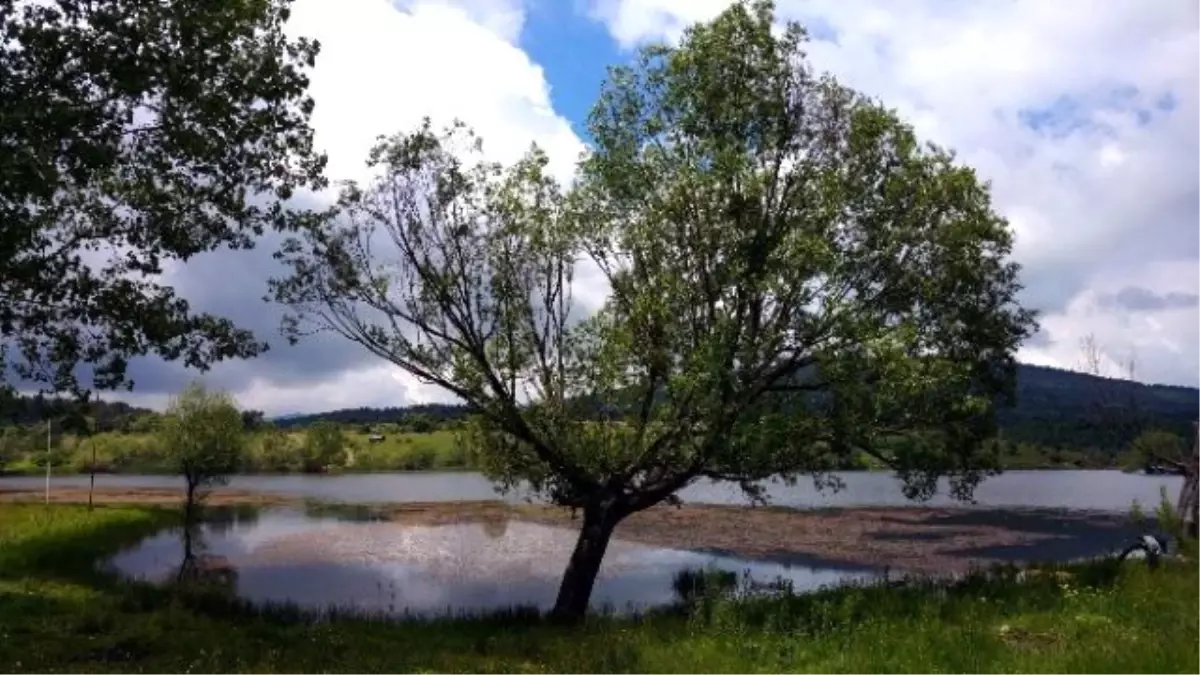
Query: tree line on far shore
(1063, 419)
(114, 437)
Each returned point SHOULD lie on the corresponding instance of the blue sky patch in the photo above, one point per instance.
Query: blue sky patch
(1056, 120)
(574, 53)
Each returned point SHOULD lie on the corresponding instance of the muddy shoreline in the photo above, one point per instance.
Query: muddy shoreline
(912, 540)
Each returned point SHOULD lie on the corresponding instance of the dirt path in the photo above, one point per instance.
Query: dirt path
(913, 539)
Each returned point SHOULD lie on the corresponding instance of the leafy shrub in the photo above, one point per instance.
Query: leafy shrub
(277, 454)
(324, 448)
(419, 458)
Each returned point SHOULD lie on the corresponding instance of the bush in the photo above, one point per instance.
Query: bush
(324, 448)
(693, 584)
(456, 456)
(277, 454)
(419, 458)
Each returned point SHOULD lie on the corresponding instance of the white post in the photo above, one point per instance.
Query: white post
(48, 423)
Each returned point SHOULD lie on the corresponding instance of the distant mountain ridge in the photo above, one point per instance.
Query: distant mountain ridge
(1054, 407)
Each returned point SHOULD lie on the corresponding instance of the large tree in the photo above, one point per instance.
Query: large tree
(134, 133)
(793, 278)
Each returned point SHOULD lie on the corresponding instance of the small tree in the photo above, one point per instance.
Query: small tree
(1155, 445)
(324, 446)
(202, 434)
(794, 278)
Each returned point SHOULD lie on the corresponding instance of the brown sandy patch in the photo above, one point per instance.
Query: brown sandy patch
(910, 539)
(145, 496)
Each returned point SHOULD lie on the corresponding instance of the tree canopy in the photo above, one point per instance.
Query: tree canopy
(792, 276)
(132, 134)
(202, 433)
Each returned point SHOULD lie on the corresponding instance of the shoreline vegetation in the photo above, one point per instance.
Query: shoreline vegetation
(70, 615)
(286, 451)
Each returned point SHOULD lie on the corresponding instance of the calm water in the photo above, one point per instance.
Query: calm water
(280, 555)
(1098, 490)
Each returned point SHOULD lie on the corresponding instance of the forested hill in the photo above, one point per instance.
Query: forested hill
(434, 412)
(1055, 407)
(1064, 408)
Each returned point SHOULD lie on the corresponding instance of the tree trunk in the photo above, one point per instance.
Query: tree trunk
(1189, 502)
(189, 504)
(575, 592)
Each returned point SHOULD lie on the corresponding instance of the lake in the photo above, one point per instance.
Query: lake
(319, 557)
(1090, 490)
(377, 566)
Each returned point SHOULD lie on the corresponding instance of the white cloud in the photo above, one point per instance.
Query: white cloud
(372, 386)
(382, 67)
(1104, 189)
(1162, 342)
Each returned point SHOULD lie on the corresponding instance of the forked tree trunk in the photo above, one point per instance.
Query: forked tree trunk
(576, 589)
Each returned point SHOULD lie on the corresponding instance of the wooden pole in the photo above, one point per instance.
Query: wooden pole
(49, 422)
(91, 439)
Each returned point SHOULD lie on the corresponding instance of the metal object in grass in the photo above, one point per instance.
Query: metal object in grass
(1147, 547)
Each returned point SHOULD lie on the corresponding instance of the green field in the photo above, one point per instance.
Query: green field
(57, 613)
(117, 452)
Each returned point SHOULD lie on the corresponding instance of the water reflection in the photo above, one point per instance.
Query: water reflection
(201, 570)
(320, 558)
(198, 569)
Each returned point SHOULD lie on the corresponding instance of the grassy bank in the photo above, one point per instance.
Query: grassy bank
(58, 614)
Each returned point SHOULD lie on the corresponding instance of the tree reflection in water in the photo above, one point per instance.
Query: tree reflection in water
(200, 570)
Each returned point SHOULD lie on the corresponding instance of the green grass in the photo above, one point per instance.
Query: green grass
(58, 613)
(407, 451)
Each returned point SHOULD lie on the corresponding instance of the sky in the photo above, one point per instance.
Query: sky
(1082, 115)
